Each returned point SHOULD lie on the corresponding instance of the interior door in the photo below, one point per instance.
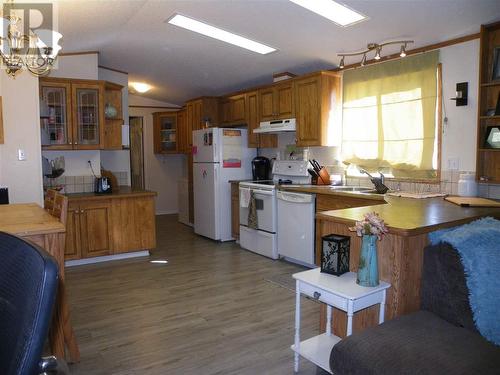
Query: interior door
(95, 229)
(136, 152)
(206, 213)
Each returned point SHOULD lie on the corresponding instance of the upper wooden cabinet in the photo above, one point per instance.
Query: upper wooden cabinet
(182, 133)
(233, 110)
(203, 110)
(277, 102)
(165, 132)
(317, 108)
(253, 121)
(75, 118)
(113, 123)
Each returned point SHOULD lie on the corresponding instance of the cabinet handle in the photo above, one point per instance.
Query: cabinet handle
(82, 211)
(76, 143)
(316, 295)
(70, 143)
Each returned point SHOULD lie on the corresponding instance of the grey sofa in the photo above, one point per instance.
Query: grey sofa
(439, 339)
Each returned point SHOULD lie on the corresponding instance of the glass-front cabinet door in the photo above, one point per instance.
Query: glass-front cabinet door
(87, 113)
(165, 137)
(55, 115)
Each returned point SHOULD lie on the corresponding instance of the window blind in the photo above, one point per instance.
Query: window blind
(389, 116)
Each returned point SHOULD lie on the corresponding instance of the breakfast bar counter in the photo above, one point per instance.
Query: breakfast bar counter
(400, 252)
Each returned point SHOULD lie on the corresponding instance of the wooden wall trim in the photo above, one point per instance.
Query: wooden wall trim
(78, 53)
(154, 106)
(112, 69)
(415, 51)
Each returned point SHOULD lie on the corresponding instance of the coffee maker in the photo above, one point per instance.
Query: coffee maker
(261, 166)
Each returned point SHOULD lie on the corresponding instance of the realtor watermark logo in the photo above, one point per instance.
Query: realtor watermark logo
(28, 37)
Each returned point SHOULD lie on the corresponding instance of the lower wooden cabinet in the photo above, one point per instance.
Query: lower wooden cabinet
(88, 229)
(235, 210)
(105, 226)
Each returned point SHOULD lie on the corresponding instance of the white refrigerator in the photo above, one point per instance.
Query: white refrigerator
(219, 155)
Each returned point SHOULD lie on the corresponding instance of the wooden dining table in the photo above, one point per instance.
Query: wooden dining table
(33, 223)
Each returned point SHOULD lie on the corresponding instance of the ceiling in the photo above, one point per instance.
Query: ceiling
(132, 35)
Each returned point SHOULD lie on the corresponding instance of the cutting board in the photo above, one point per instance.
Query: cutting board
(473, 202)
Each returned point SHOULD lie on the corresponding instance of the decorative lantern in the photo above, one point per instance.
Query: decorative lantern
(335, 254)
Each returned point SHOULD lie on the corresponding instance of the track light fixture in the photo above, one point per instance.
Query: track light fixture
(403, 51)
(377, 47)
(341, 65)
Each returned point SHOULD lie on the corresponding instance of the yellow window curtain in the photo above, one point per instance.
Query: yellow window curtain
(389, 116)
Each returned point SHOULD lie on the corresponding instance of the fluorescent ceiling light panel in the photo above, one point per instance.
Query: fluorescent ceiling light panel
(219, 34)
(338, 13)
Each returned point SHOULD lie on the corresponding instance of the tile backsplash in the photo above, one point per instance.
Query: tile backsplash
(80, 184)
(448, 185)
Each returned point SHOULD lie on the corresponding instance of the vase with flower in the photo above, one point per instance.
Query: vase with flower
(370, 229)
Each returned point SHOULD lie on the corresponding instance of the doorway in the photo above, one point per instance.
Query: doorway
(136, 152)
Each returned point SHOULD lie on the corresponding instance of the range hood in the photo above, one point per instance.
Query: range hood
(276, 126)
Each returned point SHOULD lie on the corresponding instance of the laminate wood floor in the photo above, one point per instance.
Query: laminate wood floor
(210, 310)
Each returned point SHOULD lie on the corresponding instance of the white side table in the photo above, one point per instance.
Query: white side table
(341, 292)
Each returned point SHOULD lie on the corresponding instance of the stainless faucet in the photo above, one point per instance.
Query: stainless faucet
(378, 182)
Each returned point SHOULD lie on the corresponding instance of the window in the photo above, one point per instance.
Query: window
(390, 117)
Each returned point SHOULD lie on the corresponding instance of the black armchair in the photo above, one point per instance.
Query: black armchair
(28, 287)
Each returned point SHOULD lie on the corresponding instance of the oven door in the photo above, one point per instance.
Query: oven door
(265, 201)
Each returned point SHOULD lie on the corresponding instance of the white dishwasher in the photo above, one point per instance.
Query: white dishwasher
(296, 227)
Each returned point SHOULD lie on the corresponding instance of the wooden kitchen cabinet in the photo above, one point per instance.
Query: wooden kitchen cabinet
(277, 102)
(317, 108)
(182, 133)
(201, 110)
(235, 210)
(100, 225)
(253, 122)
(165, 134)
(113, 125)
(233, 110)
(133, 224)
(88, 229)
(76, 114)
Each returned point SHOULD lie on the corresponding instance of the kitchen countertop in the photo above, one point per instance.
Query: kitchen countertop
(408, 216)
(238, 181)
(124, 192)
(326, 190)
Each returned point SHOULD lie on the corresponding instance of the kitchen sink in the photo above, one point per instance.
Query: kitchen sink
(352, 188)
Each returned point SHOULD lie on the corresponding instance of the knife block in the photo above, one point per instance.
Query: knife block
(322, 179)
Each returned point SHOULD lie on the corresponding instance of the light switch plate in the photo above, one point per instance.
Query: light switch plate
(21, 155)
(453, 164)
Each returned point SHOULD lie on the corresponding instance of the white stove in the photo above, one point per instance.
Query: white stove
(263, 238)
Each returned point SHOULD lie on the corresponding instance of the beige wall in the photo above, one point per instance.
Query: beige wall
(161, 172)
(21, 121)
(77, 66)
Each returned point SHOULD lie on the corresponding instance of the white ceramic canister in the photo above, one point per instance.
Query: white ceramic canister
(467, 186)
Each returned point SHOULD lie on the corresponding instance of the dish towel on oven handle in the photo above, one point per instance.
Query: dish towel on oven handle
(244, 198)
(252, 212)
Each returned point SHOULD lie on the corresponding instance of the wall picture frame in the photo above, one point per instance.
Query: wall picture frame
(495, 68)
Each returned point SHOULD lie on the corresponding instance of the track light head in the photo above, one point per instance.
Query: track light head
(363, 60)
(341, 65)
(377, 54)
(403, 50)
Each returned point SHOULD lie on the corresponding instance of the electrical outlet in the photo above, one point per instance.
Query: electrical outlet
(21, 155)
(453, 164)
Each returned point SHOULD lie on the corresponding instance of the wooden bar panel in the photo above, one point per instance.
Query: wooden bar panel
(400, 263)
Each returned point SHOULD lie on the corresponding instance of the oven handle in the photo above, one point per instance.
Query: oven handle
(258, 191)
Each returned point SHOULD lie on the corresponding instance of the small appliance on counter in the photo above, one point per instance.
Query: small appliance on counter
(261, 166)
(102, 185)
(4, 195)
